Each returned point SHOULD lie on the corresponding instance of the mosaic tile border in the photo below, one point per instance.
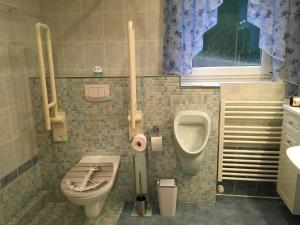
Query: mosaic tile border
(18, 172)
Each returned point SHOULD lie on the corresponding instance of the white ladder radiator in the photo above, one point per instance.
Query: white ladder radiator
(249, 140)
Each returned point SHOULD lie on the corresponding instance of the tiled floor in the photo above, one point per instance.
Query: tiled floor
(65, 213)
(227, 211)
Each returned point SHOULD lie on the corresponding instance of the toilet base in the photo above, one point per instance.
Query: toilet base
(92, 211)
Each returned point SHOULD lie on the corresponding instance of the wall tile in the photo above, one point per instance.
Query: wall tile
(155, 5)
(135, 5)
(94, 54)
(72, 27)
(73, 56)
(92, 27)
(155, 26)
(23, 148)
(7, 159)
(155, 56)
(114, 29)
(3, 98)
(5, 126)
(113, 6)
(140, 24)
(115, 55)
(91, 6)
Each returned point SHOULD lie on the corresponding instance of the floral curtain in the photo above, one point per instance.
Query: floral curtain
(279, 25)
(185, 23)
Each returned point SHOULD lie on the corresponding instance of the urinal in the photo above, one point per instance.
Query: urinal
(191, 131)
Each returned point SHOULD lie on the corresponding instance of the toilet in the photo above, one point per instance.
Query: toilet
(191, 131)
(90, 181)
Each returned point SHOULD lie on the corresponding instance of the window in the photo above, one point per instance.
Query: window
(231, 50)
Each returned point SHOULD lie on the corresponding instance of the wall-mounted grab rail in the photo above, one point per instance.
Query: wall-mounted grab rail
(135, 116)
(56, 122)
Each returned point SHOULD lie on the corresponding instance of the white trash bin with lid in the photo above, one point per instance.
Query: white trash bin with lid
(167, 195)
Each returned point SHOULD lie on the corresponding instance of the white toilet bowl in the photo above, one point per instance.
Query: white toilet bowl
(191, 131)
(93, 200)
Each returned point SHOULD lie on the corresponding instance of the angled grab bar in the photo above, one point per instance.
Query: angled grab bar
(57, 122)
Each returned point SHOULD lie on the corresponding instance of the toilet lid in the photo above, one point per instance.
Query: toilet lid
(76, 175)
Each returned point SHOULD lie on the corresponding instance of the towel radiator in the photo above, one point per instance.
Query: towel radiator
(54, 120)
(249, 140)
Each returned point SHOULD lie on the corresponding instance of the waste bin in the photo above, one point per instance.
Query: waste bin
(167, 196)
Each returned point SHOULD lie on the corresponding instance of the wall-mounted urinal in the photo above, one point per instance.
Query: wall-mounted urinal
(191, 131)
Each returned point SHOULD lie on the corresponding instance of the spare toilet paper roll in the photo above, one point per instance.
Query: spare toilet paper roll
(156, 144)
(139, 143)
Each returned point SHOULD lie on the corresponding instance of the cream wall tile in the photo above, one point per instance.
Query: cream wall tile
(141, 55)
(135, 5)
(7, 159)
(114, 29)
(23, 148)
(113, 6)
(139, 20)
(7, 27)
(20, 119)
(55, 26)
(94, 55)
(155, 25)
(58, 55)
(74, 55)
(115, 55)
(155, 5)
(69, 6)
(3, 97)
(92, 27)
(155, 49)
(91, 6)
(5, 126)
(72, 27)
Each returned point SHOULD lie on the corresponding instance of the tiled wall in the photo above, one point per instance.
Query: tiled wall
(86, 33)
(19, 172)
(102, 128)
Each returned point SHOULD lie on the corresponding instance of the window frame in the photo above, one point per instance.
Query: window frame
(214, 76)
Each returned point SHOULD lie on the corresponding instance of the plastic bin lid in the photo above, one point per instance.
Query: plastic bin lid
(167, 183)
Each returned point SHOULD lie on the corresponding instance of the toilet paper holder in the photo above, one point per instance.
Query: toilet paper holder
(153, 132)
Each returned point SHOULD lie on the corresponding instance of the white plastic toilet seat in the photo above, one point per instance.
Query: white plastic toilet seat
(77, 173)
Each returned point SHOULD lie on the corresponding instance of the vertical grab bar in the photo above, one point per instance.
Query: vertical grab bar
(57, 122)
(135, 117)
(131, 44)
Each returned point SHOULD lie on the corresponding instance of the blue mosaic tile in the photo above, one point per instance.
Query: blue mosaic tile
(24, 167)
(9, 178)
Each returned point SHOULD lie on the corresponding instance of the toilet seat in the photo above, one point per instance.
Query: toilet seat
(77, 173)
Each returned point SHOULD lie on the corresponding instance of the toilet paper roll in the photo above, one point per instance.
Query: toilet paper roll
(156, 144)
(139, 143)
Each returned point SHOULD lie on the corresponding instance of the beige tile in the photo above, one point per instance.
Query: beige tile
(155, 49)
(5, 59)
(91, 6)
(114, 29)
(58, 55)
(55, 26)
(141, 55)
(5, 126)
(16, 89)
(92, 27)
(113, 6)
(3, 97)
(155, 25)
(7, 159)
(23, 148)
(69, 6)
(72, 27)
(115, 55)
(94, 55)
(20, 119)
(140, 24)
(155, 5)
(135, 5)
(73, 55)
(7, 27)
